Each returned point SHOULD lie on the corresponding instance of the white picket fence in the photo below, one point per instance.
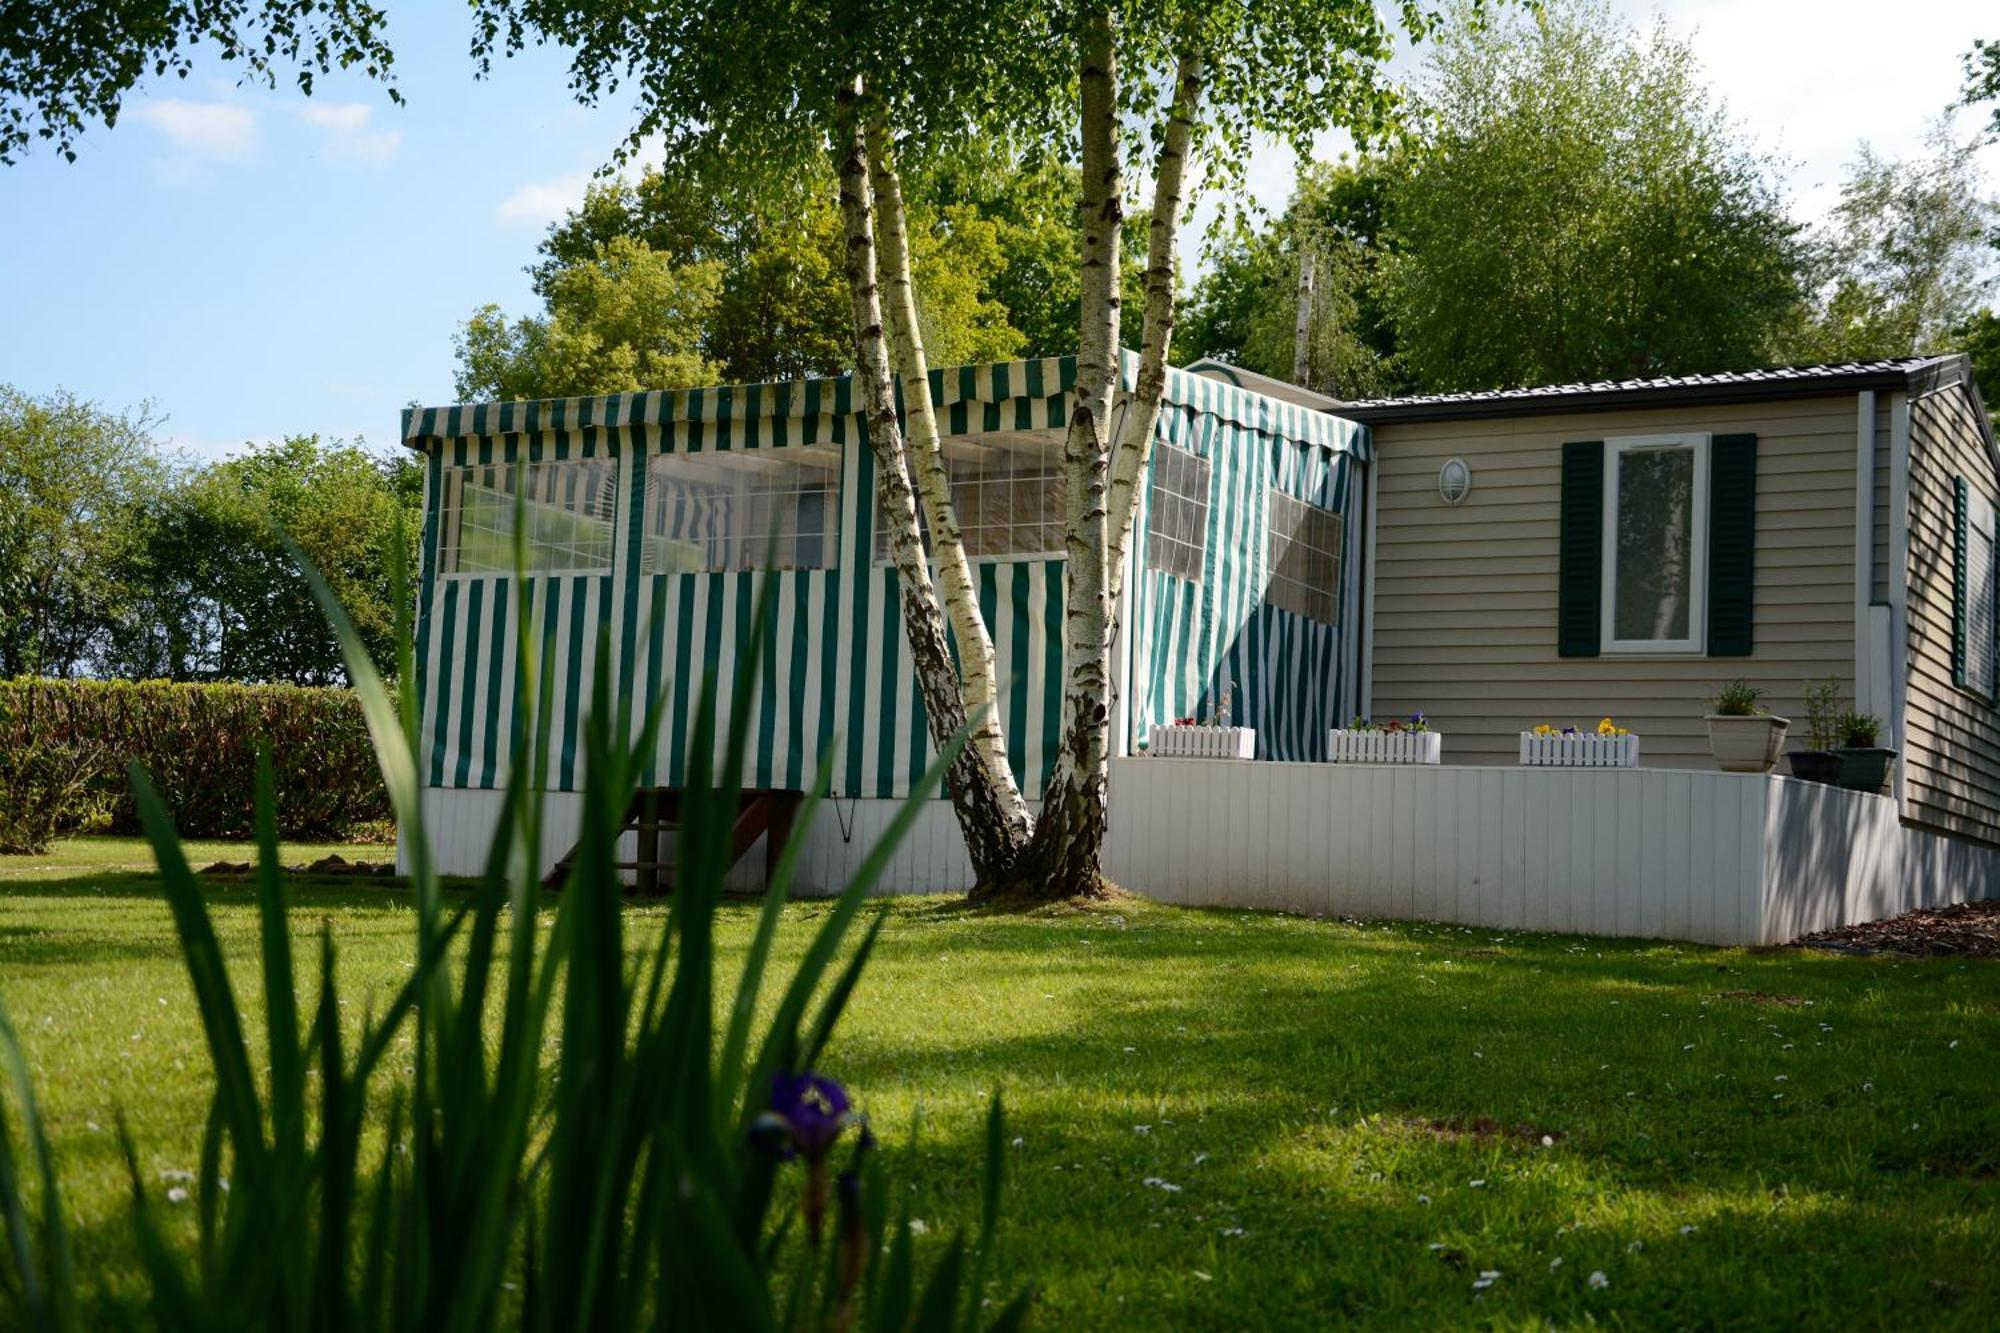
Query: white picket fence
(1384, 747)
(1203, 742)
(1579, 750)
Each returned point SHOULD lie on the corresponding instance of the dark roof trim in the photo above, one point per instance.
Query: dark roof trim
(1690, 391)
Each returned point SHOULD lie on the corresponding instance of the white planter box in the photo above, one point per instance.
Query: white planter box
(1384, 747)
(1583, 750)
(1204, 742)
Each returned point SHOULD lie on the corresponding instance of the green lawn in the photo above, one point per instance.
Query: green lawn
(1228, 1120)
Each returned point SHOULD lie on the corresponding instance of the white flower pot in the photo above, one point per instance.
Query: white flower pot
(1203, 742)
(1384, 747)
(1746, 744)
(1584, 749)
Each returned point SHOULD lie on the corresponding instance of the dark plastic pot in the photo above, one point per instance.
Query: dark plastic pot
(1815, 765)
(1865, 769)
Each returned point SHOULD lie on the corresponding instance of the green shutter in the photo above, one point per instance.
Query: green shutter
(1732, 544)
(1579, 619)
(1959, 620)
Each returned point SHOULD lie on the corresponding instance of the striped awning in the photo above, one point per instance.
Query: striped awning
(1001, 396)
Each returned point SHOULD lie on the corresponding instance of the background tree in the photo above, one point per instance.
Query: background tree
(1580, 207)
(1245, 308)
(623, 318)
(226, 601)
(991, 241)
(63, 67)
(1906, 262)
(78, 485)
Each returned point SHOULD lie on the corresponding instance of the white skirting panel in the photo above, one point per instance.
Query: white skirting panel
(1718, 857)
(930, 859)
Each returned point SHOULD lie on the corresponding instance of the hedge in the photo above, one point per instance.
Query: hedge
(199, 745)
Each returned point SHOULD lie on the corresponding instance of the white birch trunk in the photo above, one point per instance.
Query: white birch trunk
(933, 481)
(1069, 834)
(990, 838)
(1142, 413)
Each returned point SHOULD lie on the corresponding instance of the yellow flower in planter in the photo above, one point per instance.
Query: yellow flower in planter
(1544, 729)
(1606, 727)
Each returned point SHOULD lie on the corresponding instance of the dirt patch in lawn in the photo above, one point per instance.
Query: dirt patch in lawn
(1970, 930)
(1763, 997)
(1483, 1129)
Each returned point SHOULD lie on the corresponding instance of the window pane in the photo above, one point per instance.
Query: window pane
(1008, 494)
(1304, 546)
(568, 510)
(741, 510)
(1655, 545)
(1177, 516)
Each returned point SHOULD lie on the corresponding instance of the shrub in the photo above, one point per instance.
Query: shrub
(1739, 698)
(46, 787)
(1858, 731)
(657, 1173)
(199, 744)
(1823, 714)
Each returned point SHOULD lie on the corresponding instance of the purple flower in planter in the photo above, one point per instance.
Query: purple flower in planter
(808, 1112)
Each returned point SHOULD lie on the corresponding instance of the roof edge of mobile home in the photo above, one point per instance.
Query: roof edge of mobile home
(1919, 375)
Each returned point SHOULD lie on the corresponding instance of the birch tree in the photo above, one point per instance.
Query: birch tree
(778, 90)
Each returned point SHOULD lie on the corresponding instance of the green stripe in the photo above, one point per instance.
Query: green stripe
(573, 686)
(656, 630)
(470, 686)
(496, 656)
(446, 657)
(628, 638)
(1022, 574)
(885, 680)
(830, 648)
(1052, 674)
(687, 682)
(802, 636)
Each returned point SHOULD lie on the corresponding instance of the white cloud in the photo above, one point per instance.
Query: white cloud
(542, 202)
(348, 133)
(205, 129)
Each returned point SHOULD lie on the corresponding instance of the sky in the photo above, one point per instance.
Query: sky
(255, 264)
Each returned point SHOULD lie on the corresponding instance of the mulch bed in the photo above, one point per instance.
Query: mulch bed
(1970, 930)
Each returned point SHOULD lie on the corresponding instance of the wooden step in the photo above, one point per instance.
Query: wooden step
(655, 811)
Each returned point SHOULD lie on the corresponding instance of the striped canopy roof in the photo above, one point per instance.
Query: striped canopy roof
(957, 391)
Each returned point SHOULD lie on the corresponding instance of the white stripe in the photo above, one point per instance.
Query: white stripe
(851, 502)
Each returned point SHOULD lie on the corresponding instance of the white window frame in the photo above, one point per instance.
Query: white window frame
(1696, 641)
(1979, 521)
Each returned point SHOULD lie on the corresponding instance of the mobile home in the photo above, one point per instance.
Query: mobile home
(651, 520)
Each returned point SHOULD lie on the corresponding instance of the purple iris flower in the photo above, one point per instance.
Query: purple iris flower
(808, 1112)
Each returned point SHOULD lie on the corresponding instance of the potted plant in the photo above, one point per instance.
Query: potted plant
(1393, 742)
(1819, 762)
(1742, 735)
(1864, 765)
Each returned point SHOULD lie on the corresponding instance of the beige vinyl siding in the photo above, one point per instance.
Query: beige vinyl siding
(1465, 597)
(1878, 583)
(1951, 746)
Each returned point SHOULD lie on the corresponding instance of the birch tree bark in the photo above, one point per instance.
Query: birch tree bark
(933, 480)
(991, 833)
(1064, 861)
(1142, 413)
